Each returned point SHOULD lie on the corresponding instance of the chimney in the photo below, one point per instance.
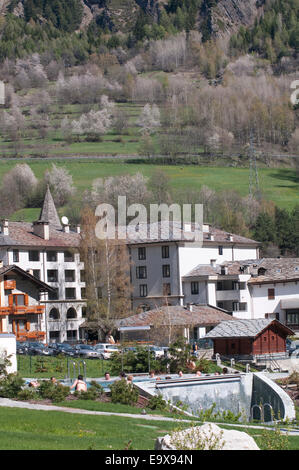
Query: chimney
(66, 228)
(211, 237)
(78, 229)
(5, 229)
(1, 263)
(190, 307)
(30, 271)
(213, 263)
(41, 229)
(230, 238)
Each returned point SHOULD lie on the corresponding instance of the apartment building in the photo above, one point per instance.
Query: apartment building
(158, 266)
(48, 251)
(249, 289)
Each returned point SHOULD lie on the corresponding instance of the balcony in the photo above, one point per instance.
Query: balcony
(30, 335)
(23, 310)
(234, 295)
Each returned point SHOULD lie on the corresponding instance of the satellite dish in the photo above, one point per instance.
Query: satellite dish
(64, 220)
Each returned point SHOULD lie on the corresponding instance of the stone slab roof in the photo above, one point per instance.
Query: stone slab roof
(21, 234)
(242, 328)
(174, 232)
(201, 315)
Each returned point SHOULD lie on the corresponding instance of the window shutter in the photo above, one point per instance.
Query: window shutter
(26, 300)
(10, 300)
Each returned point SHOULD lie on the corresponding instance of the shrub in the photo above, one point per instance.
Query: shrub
(95, 391)
(11, 385)
(157, 403)
(27, 394)
(122, 392)
(56, 393)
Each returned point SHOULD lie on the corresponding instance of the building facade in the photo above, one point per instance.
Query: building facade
(158, 267)
(249, 289)
(22, 311)
(48, 251)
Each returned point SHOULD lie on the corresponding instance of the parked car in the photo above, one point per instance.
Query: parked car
(22, 347)
(39, 349)
(106, 350)
(86, 351)
(292, 346)
(62, 348)
(158, 351)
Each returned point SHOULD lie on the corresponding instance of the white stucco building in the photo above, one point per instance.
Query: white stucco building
(250, 289)
(49, 251)
(159, 266)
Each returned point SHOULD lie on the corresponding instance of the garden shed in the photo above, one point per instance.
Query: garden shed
(248, 339)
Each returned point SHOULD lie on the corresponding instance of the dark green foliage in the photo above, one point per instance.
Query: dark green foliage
(94, 391)
(54, 392)
(274, 35)
(180, 354)
(156, 402)
(123, 392)
(11, 385)
(65, 15)
(135, 362)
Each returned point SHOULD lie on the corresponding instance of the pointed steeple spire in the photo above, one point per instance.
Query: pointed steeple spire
(48, 212)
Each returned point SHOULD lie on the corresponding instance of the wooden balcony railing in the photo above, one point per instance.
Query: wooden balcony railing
(30, 335)
(22, 310)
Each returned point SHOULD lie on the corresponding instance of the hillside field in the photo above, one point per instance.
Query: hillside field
(277, 184)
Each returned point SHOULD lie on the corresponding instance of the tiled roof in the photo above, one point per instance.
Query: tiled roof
(21, 234)
(17, 269)
(203, 270)
(242, 328)
(174, 232)
(261, 270)
(277, 269)
(177, 316)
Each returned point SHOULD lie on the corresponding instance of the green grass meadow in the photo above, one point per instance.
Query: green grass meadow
(279, 185)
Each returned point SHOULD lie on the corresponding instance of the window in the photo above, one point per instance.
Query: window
(84, 312)
(166, 270)
(36, 273)
(194, 288)
(70, 293)
(69, 275)
(83, 293)
(71, 313)
(141, 272)
(220, 250)
(18, 299)
(165, 251)
(82, 275)
(54, 314)
(68, 257)
(166, 289)
(271, 294)
(15, 256)
(51, 256)
(33, 255)
(143, 290)
(142, 253)
(52, 275)
(53, 295)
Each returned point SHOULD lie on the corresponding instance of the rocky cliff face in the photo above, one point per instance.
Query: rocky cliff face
(219, 20)
(228, 15)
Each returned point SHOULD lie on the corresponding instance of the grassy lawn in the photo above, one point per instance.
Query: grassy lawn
(22, 429)
(42, 368)
(278, 184)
